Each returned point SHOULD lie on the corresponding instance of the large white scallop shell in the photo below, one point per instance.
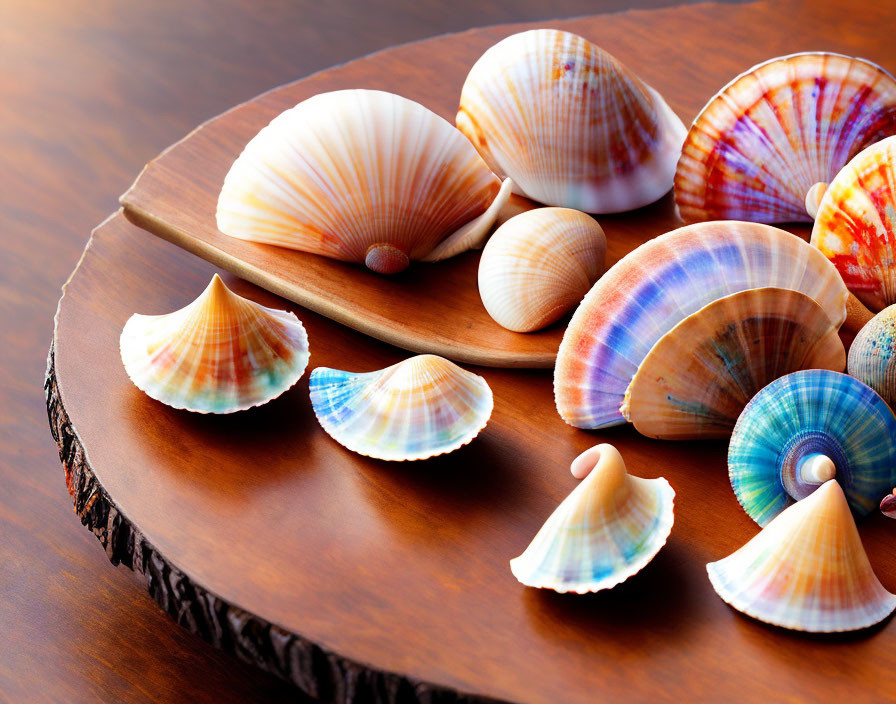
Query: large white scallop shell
(362, 176)
(569, 123)
(538, 265)
(418, 408)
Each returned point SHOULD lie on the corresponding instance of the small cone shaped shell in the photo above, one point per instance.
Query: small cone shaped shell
(806, 570)
(770, 135)
(569, 123)
(539, 265)
(856, 224)
(872, 356)
(418, 408)
(359, 175)
(698, 377)
(220, 354)
(650, 290)
(609, 528)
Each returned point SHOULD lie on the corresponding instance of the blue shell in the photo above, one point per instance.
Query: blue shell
(807, 412)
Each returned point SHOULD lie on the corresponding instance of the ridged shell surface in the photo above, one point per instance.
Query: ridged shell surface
(855, 226)
(872, 356)
(653, 288)
(806, 570)
(698, 377)
(538, 265)
(358, 175)
(569, 124)
(609, 528)
(775, 131)
(220, 354)
(418, 408)
(804, 414)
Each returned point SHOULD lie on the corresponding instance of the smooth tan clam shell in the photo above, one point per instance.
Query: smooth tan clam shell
(539, 265)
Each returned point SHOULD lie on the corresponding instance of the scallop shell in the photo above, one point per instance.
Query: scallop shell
(855, 226)
(872, 357)
(808, 427)
(653, 288)
(772, 133)
(608, 529)
(362, 176)
(538, 265)
(418, 408)
(806, 570)
(698, 377)
(569, 123)
(220, 354)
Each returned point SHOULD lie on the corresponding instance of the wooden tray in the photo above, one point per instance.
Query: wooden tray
(361, 580)
(432, 307)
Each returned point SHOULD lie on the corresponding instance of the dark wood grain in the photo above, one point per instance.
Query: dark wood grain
(90, 90)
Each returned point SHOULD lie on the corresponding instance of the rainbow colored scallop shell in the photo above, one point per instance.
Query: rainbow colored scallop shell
(855, 224)
(653, 288)
(762, 142)
(803, 421)
(220, 354)
(413, 410)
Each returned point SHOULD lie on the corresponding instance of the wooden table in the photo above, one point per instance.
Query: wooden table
(97, 91)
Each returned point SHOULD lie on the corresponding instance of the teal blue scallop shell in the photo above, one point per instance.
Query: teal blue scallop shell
(808, 412)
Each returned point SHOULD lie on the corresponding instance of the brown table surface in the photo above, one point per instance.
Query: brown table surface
(90, 91)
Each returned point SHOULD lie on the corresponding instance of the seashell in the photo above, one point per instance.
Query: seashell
(808, 427)
(656, 286)
(771, 134)
(855, 226)
(569, 123)
(220, 354)
(698, 377)
(806, 570)
(418, 408)
(606, 530)
(361, 176)
(872, 357)
(888, 505)
(538, 265)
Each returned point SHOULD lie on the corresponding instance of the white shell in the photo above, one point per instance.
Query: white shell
(362, 176)
(569, 123)
(609, 528)
(539, 265)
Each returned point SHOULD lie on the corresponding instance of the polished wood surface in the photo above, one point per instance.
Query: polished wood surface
(404, 568)
(92, 90)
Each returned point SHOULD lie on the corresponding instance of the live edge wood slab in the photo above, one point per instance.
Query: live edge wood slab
(687, 54)
(362, 580)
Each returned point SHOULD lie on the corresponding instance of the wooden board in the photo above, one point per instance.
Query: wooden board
(362, 580)
(432, 307)
(357, 579)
